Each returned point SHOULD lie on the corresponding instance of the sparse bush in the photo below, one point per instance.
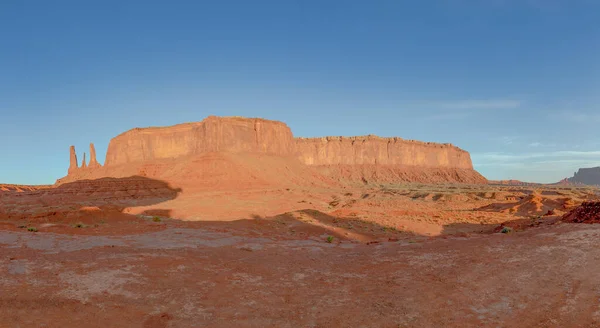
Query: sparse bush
(32, 229)
(330, 239)
(506, 230)
(156, 219)
(79, 225)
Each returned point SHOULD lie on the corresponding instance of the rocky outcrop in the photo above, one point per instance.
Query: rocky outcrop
(214, 134)
(93, 161)
(75, 170)
(73, 166)
(588, 212)
(5, 188)
(366, 159)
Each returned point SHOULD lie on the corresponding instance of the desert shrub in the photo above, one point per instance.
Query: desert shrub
(32, 229)
(506, 230)
(156, 219)
(330, 239)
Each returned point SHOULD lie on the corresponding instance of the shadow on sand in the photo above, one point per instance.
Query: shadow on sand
(87, 201)
(102, 201)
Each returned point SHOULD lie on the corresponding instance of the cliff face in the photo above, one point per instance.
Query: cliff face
(353, 159)
(371, 150)
(587, 176)
(214, 134)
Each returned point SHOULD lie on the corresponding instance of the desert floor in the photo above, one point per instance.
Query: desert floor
(386, 256)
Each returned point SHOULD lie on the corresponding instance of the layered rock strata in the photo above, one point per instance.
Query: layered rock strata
(214, 134)
(373, 150)
(366, 158)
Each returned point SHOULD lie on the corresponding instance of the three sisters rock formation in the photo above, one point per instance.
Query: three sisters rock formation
(74, 165)
(260, 151)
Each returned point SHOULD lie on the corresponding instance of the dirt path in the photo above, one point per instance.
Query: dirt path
(179, 277)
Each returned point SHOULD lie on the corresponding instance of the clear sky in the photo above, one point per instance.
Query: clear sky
(514, 82)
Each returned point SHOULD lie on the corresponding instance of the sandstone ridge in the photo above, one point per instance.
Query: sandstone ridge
(154, 151)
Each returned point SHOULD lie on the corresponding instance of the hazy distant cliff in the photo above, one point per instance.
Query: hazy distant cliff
(588, 176)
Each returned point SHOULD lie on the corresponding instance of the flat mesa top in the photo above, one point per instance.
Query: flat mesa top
(372, 137)
(212, 118)
(253, 120)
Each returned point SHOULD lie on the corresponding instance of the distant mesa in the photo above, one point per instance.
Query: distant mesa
(512, 183)
(584, 176)
(244, 144)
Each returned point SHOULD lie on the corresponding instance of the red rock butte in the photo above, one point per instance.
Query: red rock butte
(256, 146)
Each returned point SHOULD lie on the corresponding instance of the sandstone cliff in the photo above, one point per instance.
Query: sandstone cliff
(214, 134)
(73, 166)
(384, 151)
(155, 151)
(77, 172)
(93, 162)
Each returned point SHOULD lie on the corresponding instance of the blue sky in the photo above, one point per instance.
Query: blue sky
(514, 82)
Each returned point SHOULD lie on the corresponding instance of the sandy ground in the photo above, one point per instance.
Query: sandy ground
(402, 256)
(181, 277)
